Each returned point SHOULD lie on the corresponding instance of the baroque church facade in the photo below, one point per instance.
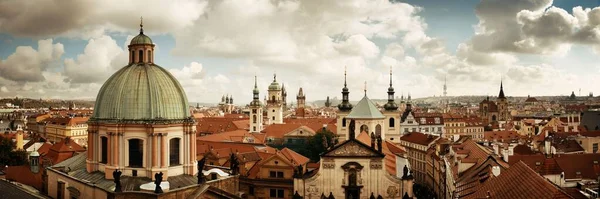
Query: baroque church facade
(364, 164)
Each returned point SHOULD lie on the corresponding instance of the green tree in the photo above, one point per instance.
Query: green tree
(317, 144)
(10, 157)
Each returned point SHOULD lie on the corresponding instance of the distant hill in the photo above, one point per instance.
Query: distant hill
(42, 103)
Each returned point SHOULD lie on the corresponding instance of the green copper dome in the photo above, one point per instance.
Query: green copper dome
(274, 85)
(141, 39)
(141, 92)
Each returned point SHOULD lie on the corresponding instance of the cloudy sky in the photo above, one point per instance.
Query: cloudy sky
(68, 48)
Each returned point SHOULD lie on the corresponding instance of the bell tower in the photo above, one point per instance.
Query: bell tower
(256, 111)
(275, 103)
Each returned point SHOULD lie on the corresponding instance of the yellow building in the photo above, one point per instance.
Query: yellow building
(58, 128)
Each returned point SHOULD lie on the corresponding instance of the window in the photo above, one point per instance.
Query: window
(440, 129)
(595, 147)
(276, 174)
(254, 128)
(273, 110)
(254, 111)
(276, 193)
(437, 120)
(352, 177)
(174, 151)
(273, 117)
(136, 152)
(213, 176)
(141, 56)
(254, 119)
(251, 191)
(104, 149)
(60, 190)
(405, 129)
(344, 122)
(392, 122)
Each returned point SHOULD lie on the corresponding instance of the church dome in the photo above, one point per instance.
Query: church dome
(141, 39)
(274, 85)
(141, 92)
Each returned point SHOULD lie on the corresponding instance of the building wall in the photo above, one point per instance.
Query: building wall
(342, 130)
(392, 133)
(332, 178)
(589, 143)
(56, 133)
(86, 190)
(155, 141)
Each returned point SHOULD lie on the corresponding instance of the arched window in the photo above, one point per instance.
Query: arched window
(136, 152)
(273, 118)
(174, 151)
(141, 56)
(493, 117)
(254, 119)
(352, 177)
(364, 128)
(273, 98)
(149, 56)
(392, 124)
(344, 122)
(378, 130)
(104, 150)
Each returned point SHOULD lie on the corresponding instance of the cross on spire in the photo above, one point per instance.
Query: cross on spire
(390, 75)
(345, 67)
(141, 25)
(365, 88)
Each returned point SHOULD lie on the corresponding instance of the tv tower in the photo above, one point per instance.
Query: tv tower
(445, 87)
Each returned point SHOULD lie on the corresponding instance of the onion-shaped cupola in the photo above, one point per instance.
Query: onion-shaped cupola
(255, 99)
(391, 104)
(345, 105)
(274, 85)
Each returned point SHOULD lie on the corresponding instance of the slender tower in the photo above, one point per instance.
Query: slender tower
(391, 114)
(344, 109)
(275, 103)
(256, 111)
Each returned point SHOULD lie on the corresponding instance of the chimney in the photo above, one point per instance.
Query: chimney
(495, 146)
(547, 146)
(505, 155)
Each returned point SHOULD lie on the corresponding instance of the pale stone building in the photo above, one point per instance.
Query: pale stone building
(275, 103)
(256, 111)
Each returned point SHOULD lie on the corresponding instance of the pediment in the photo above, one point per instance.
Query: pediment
(353, 148)
(301, 131)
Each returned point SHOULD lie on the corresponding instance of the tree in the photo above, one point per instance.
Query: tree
(318, 144)
(10, 157)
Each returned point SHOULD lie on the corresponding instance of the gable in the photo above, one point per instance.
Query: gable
(302, 131)
(352, 148)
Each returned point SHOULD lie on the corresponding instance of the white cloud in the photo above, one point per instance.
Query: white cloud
(96, 63)
(27, 64)
(4, 89)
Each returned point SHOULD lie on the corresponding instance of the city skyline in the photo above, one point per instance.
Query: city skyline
(531, 45)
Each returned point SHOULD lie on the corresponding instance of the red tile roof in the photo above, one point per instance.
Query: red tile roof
(211, 125)
(231, 136)
(419, 138)
(501, 136)
(519, 181)
(67, 121)
(63, 150)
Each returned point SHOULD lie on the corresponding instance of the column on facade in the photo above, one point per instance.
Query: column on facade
(116, 149)
(163, 152)
(153, 137)
(109, 153)
(90, 146)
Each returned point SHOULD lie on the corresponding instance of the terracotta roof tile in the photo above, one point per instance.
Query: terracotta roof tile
(519, 181)
(419, 138)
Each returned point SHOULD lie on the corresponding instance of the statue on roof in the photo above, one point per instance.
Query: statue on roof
(234, 164)
(200, 168)
(158, 180)
(117, 180)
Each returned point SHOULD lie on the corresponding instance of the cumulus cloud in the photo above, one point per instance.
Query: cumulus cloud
(96, 63)
(90, 18)
(27, 64)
